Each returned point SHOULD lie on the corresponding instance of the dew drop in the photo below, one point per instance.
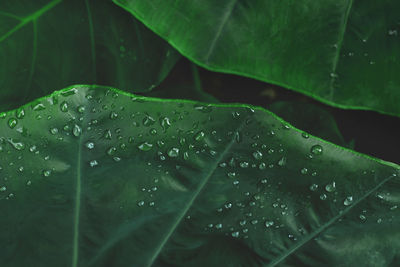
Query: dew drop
(330, 187)
(199, 136)
(148, 121)
(46, 173)
(140, 203)
(244, 164)
(145, 146)
(64, 106)
(89, 145)
(76, 131)
(282, 161)
(173, 152)
(316, 150)
(93, 163)
(16, 144)
(269, 224)
(304, 171)
(12, 122)
(305, 135)
(257, 155)
(107, 134)
(54, 131)
(235, 234)
(313, 187)
(165, 123)
(113, 115)
(348, 201)
(81, 109)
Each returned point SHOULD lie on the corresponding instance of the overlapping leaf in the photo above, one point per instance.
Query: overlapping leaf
(345, 53)
(49, 44)
(92, 176)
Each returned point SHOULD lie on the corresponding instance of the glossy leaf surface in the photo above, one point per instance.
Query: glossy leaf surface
(46, 45)
(92, 176)
(342, 52)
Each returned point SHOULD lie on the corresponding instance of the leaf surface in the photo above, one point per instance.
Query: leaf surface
(50, 44)
(344, 53)
(92, 176)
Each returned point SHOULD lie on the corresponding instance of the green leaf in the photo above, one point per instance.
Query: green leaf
(47, 45)
(97, 177)
(344, 53)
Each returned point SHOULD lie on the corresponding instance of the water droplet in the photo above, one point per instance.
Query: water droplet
(257, 155)
(199, 136)
(3, 189)
(20, 113)
(38, 107)
(231, 174)
(323, 196)
(305, 135)
(362, 217)
(29, 182)
(313, 187)
(64, 106)
(107, 134)
(165, 123)
(173, 152)
(81, 109)
(76, 131)
(12, 122)
(93, 163)
(316, 150)
(348, 201)
(262, 166)
(145, 146)
(54, 131)
(218, 226)
(17, 144)
(235, 234)
(113, 115)
(46, 173)
(244, 164)
(140, 203)
(330, 187)
(148, 121)
(69, 92)
(379, 220)
(282, 161)
(304, 171)
(269, 224)
(89, 145)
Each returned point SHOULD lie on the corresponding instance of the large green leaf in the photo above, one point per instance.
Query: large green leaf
(50, 44)
(97, 177)
(342, 52)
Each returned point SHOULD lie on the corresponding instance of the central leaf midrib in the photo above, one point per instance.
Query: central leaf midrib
(77, 207)
(194, 197)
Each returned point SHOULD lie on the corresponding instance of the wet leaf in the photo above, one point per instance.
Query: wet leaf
(121, 180)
